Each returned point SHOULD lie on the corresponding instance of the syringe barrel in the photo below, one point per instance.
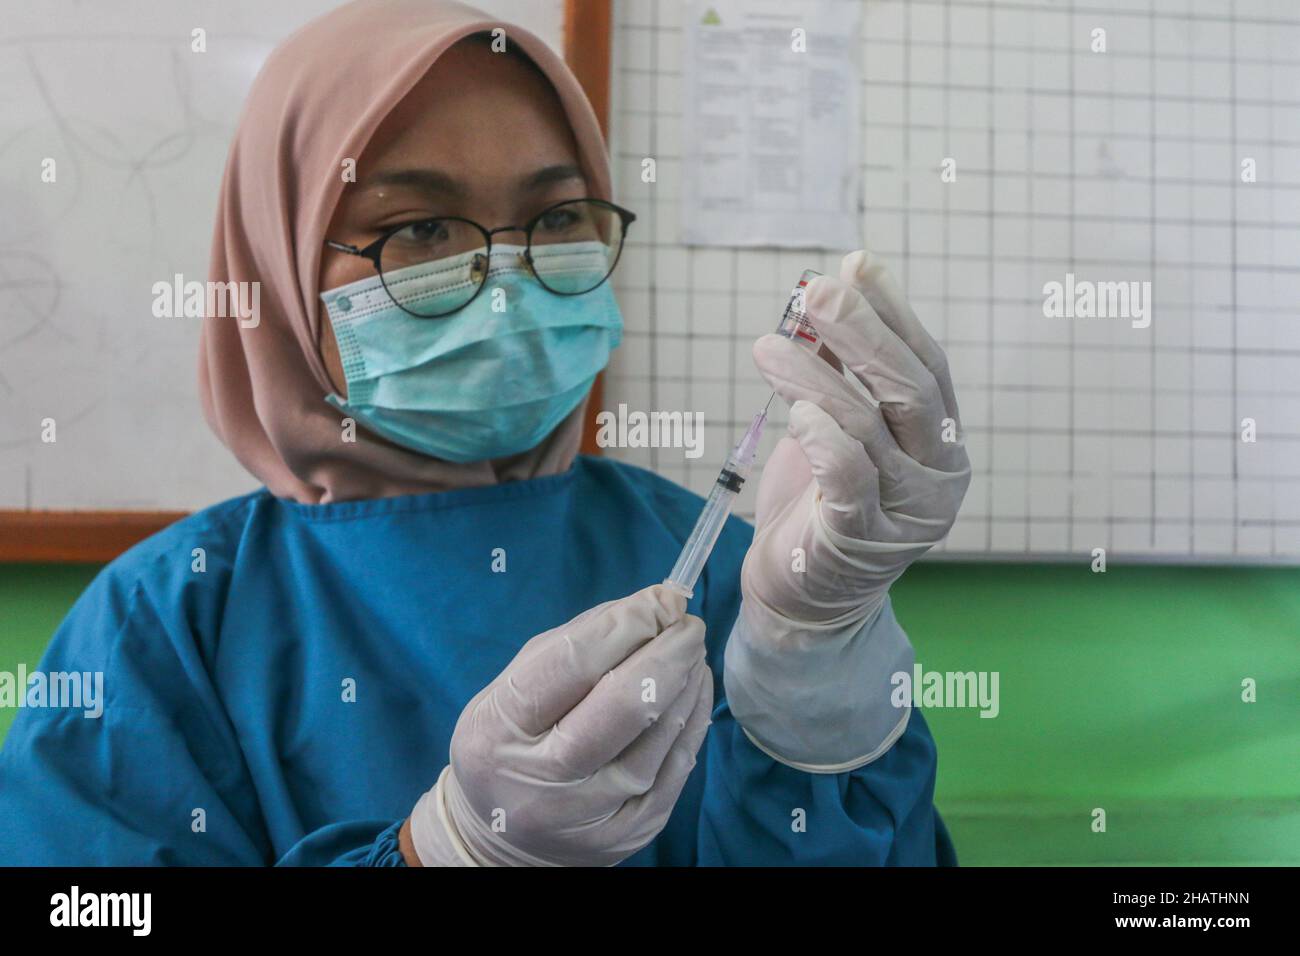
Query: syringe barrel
(690, 563)
(795, 324)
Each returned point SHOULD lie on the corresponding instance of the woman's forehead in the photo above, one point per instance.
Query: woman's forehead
(472, 97)
(475, 118)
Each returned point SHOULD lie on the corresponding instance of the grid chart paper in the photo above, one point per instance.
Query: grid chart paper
(1129, 165)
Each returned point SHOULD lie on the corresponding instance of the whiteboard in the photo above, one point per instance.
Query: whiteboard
(139, 127)
(1123, 165)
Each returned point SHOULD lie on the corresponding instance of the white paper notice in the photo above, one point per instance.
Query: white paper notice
(771, 124)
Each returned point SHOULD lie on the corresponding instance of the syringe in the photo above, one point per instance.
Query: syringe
(716, 509)
(690, 563)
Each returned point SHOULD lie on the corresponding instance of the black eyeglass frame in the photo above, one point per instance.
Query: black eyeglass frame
(374, 251)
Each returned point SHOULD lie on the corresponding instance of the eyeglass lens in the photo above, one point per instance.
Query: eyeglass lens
(573, 248)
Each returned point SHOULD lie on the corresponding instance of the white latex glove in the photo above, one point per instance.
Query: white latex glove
(561, 760)
(865, 483)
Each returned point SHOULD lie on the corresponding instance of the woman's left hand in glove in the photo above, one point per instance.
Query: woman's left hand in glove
(874, 467)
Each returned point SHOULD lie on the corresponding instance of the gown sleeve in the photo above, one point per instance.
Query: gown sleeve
(157, 776)
(759, 811)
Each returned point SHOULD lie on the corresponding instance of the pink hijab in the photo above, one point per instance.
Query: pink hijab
(317, 101)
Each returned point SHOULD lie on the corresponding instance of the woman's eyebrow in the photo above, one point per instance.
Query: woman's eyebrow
(549, 175)
(427, 180)
(436, 181)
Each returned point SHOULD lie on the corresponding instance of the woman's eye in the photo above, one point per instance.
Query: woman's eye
(425, 232)
(558, 220)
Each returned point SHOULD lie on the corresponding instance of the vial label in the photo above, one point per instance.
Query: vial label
(795, 324)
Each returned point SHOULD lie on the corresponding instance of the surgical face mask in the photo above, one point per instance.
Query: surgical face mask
(489, 381)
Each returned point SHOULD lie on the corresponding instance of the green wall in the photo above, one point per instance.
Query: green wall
(1119, 690)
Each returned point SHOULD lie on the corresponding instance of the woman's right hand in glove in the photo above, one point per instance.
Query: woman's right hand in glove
(576, 753)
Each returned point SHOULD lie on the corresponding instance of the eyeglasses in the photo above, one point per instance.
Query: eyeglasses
(463, 249)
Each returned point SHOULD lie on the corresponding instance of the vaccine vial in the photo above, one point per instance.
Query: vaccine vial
(795, 324)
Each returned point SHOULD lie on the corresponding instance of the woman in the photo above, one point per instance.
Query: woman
(415, 644)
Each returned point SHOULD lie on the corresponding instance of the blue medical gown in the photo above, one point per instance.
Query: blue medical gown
(229, 735)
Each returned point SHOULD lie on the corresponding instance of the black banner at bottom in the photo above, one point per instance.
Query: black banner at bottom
(233, 905)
